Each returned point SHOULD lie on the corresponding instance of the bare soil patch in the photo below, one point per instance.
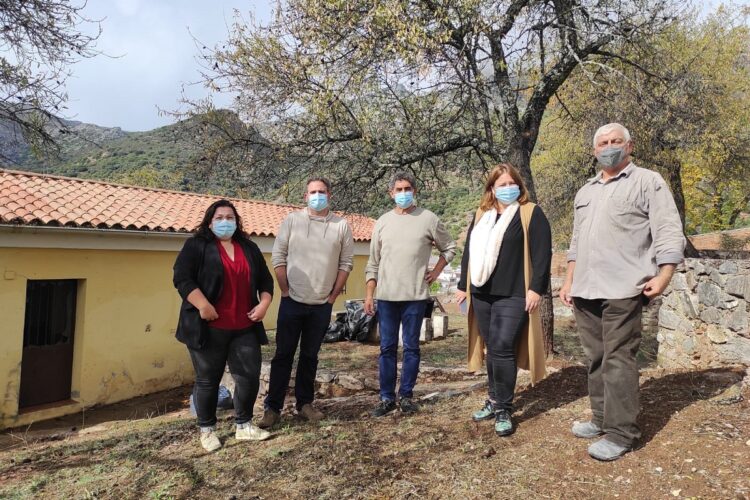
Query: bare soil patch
(696, 444)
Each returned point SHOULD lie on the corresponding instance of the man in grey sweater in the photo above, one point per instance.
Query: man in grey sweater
(312, 257)
(402, 241)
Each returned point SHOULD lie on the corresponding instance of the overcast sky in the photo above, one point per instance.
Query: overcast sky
(157, 56)
(153, 39)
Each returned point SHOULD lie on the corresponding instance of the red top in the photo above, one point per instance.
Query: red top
(234, 302)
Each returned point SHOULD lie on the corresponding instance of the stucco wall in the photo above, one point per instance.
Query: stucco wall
(124, 342)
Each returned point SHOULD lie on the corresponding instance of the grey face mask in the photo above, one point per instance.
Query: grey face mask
(611, 156)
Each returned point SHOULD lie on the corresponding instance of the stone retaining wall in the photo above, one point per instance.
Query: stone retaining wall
(650, 318)
(703, 318)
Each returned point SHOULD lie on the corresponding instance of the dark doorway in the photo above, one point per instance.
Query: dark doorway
(47, 362)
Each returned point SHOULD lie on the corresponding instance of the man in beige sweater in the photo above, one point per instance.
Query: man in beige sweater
(312, 257)
(402, 241)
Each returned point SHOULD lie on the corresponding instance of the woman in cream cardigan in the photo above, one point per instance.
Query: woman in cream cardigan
(504, 272)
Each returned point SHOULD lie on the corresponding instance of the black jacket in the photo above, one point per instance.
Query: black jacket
(199, 266)
(507, 280)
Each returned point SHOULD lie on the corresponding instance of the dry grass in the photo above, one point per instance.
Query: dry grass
(694, 445)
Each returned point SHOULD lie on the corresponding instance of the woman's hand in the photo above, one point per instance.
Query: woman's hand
(532, 301)
(208, 312)
(258, 312)
(460, 296)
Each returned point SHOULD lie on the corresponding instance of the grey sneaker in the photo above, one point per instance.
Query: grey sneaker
(485, 413)
(586, 430)
(503, 423)
(408, 405)
(607, 451)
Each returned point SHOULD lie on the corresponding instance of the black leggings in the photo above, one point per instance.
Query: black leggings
(241, 350)
(501, 320)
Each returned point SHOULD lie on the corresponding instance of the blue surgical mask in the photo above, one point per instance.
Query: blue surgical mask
(404, 199)
(223, 228)
(507, 194)
(317, 201)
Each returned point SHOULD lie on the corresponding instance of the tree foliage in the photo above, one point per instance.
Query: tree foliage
(39, 40)
(687, 105)
(360, 88)
(356, 89)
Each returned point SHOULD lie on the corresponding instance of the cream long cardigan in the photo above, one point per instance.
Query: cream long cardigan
(530, 350)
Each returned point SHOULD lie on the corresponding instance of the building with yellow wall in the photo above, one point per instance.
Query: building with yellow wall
(87, 307)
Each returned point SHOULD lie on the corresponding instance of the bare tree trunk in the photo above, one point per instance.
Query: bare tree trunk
(547, 312)
(520, 157)
(674, 178)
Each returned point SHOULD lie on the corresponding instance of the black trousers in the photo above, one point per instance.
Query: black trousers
(241, 350)
(304, 325)
(610, 331)
(501, 321)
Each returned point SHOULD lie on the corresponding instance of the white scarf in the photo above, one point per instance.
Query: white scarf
(486, 238)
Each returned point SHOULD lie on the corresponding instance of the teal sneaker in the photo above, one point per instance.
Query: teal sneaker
(485, 413)
(503, 423)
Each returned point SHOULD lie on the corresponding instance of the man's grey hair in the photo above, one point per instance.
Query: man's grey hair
(610, 127)
(324, 180)
(402, 176)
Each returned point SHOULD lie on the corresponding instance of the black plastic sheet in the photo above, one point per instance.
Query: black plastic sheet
(337, 330)
(359, 323)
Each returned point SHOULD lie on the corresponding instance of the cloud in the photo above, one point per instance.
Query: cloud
(127, 8)
(149, 53)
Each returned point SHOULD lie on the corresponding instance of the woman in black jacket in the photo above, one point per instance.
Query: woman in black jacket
(226, 289)
(504, 299)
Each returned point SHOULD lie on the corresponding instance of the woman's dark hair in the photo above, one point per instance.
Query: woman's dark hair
(203, 231)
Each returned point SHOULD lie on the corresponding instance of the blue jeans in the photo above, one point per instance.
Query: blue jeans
(409, 314)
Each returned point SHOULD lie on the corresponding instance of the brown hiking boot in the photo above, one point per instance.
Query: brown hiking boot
(270, 418)
(308, 412)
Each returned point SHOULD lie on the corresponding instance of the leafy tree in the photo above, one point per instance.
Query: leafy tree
(39, 40)
(147, 176)
(360, 88)
(687, 104)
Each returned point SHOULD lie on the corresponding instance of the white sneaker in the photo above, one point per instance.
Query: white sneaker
(249, 432)
(209, 440)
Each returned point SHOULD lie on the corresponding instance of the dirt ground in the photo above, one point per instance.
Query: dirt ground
(696, 443)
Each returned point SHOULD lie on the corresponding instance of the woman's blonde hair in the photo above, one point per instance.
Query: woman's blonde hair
(488, 196)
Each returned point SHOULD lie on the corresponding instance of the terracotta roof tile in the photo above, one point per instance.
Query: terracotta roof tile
(29, 198)
(714, 241)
